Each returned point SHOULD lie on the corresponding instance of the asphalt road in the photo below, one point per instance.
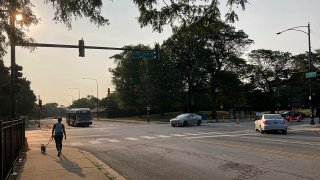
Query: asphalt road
(211, 151)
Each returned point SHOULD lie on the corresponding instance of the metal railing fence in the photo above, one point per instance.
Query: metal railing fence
(12, 137)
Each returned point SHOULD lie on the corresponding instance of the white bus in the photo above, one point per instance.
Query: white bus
(79, 117)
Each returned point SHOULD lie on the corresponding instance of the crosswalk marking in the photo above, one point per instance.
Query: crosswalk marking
(113, 140)
(178, 135)
(220, 135)
(132, 139)
(108, 139)
(182, 135)
(147, 137)
(163, 136)
(191, 134)
(95, 142)
(76, 144)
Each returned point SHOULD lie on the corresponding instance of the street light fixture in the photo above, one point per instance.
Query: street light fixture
(97, 94)
(309, 59)
(78, 91)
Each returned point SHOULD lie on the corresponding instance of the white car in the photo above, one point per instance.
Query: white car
(186, 119)
(271, 122)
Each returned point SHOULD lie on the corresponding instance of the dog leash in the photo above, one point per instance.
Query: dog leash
(49, 142)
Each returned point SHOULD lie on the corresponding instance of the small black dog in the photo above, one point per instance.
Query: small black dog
(43, 148)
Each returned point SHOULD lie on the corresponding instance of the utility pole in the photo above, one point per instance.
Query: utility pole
(310, 81)
(147, 79)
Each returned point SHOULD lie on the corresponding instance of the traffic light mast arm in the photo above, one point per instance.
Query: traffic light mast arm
(77, 46)
(82, 48)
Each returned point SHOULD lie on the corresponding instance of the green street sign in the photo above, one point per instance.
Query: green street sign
(311, 74)
(142, 54)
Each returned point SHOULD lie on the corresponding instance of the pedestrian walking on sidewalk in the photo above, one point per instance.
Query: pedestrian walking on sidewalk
(57, 133)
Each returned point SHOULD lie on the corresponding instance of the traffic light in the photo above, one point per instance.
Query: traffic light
(40, 104)
(81, 48)
(156, 52)
(17, 77)
(108, 91)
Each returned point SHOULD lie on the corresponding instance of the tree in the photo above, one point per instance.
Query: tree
(52, 110)
(224, 47)
(129, 78)
(25, 98)
(184, 13)
(4, 90)
(268, 66)
(165, 82)
(185, 52)
(88, 102)
(65, 12)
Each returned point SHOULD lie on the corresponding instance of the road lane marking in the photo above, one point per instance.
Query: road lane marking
(132, 139)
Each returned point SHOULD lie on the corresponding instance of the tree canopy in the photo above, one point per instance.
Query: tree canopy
(183, 13)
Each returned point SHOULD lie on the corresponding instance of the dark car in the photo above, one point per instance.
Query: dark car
(293, 115)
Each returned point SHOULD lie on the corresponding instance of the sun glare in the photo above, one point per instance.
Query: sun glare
(19, 17)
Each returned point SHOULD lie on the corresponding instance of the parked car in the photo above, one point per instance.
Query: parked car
(293, 115)
(186, 119)
(271, 122)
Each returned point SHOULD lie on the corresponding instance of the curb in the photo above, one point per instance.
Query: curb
(105, 169)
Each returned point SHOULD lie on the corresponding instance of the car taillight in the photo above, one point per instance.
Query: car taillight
(266, 122)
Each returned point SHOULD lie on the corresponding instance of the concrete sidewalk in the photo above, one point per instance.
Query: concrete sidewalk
(72, 164)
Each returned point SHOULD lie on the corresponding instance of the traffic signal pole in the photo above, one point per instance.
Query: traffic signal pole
(13, 66)
(39, 110)
(82, 48)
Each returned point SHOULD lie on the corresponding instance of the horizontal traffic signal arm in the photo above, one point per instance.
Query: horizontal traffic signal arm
(77, 46)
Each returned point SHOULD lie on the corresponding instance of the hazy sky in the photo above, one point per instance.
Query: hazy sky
(52, 71)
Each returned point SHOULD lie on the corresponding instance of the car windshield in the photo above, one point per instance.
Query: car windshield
(182, 116)
(272, 116)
